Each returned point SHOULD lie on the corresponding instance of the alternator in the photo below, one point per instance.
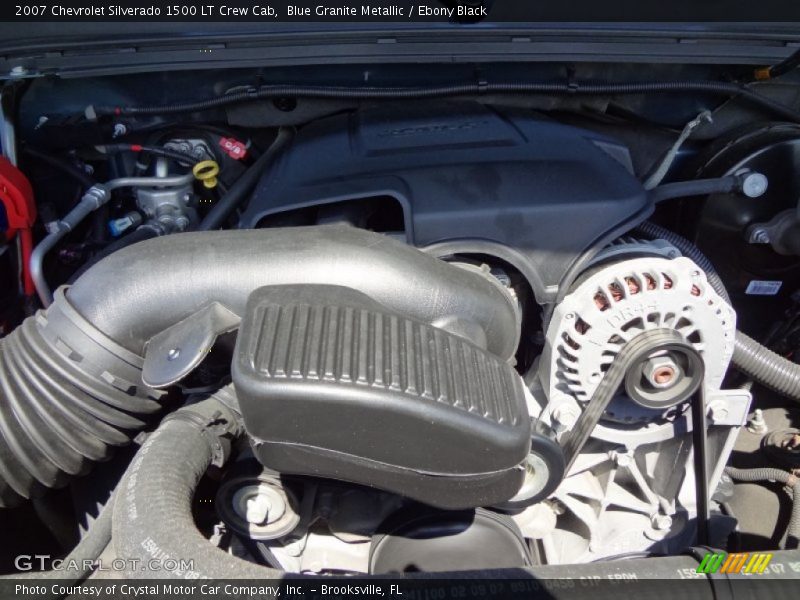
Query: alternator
(614, 304)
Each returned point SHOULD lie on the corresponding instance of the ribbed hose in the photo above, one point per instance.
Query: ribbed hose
(784, 477)
(68, 395)
(153, 511)
(445, 91)
(71, 377)
(751, 358)
(765, 366)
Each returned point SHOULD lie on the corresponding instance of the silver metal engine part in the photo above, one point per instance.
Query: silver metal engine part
(632, 488)
(168, 210)
(614, 304)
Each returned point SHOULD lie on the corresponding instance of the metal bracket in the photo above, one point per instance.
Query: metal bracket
(728, 407)
(175, 352)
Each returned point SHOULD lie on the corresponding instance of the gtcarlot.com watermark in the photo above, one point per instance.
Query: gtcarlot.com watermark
(41, 562)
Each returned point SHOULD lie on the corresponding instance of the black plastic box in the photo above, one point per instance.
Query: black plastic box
(333, 385)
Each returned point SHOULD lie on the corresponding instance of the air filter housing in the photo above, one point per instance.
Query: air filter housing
(332, 384)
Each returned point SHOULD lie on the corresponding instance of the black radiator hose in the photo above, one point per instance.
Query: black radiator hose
(71, 376)
(751, 358)
(153, 509)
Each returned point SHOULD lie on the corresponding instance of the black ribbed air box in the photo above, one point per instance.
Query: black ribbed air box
(332, 384)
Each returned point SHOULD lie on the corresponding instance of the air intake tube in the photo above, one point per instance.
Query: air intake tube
(71, 376)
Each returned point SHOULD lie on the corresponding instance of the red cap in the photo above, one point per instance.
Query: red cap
(233, 148)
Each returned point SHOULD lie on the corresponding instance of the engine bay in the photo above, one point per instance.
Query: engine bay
(307, 331)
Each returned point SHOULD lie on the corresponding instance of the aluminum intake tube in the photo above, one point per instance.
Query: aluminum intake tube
(71, 376)
(140, 291)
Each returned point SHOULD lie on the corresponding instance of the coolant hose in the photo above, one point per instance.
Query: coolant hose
(784, 477)
(751, 358)
(66, 167)
(153, 511)
(750, 184)
(71, 377)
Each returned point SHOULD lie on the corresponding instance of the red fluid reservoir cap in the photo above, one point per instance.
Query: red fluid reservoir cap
(233, 148)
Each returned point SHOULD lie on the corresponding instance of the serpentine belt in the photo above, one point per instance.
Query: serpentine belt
(635, 351)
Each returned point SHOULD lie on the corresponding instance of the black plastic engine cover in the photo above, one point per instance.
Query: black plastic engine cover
(530, 191)
(331, 384)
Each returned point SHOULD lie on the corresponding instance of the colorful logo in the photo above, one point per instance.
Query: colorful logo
(740, 562)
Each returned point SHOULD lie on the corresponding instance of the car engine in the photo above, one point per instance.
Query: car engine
(351, 336)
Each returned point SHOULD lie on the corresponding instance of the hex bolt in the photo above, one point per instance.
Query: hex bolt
(258, 508)
(718, 411)
(119, 130)
(566, 416)
(661, 372)
(621, 456)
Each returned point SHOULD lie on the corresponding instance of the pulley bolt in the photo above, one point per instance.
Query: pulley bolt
(660, 371)
(664, 375)
(258, 508)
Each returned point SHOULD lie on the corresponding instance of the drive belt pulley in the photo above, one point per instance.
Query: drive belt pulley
(626, 369)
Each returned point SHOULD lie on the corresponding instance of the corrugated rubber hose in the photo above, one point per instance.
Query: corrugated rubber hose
(71, 384)
(751, 358)
(68, 394)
